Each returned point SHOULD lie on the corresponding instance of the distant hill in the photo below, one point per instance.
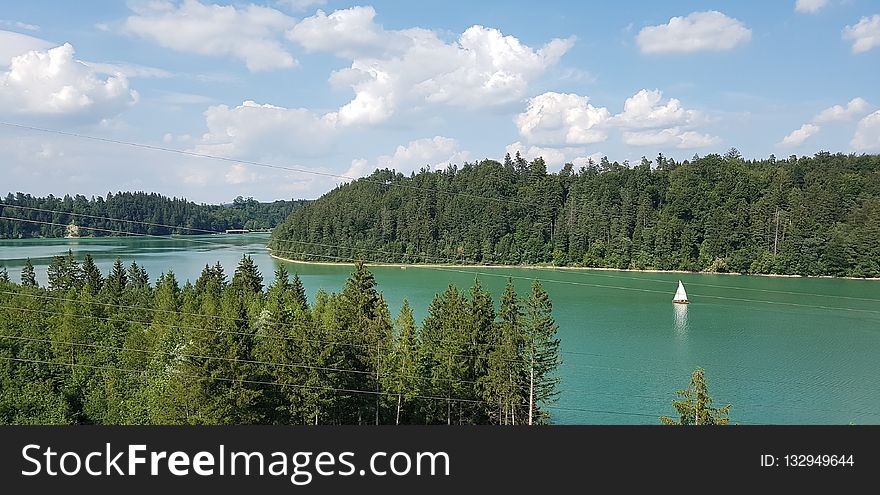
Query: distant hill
(815, 215)
(52, 216)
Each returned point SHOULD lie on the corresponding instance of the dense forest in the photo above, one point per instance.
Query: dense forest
(115, 349)
(133, 212)
(815, 215)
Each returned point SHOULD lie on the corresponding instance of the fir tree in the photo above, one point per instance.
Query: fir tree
(695, 405)
(93, 280)
(541, 354)
(28, 277)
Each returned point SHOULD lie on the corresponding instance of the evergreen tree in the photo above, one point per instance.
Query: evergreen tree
(541, 353)
(28, 276)
(4, 275)
(695, 405)
(299, 292)
(92, 275)
(504, 381)
(403, 376)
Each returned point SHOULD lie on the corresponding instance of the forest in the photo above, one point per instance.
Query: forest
(811, 216)
(113, 349)
(133, 212)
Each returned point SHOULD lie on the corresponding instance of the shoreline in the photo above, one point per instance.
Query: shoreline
(547, 267)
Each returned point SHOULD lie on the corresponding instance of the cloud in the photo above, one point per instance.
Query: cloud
(671, 137)
(129, 70)
(52, 82)
(798, 136)
(557, 118)
(434, 152)
(240, 174)
(865, 35)
(555, 158)
(19, 25)
(415, 68)
(698, 31)
(15, 44)
(348, 33)
(299, 5)
(643, 110)
(853, 109)
(867, 136)
(255, 130)
(810, 6)
(248, 33)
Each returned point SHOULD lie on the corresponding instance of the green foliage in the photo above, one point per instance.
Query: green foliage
(695, 405)
(134, 212)
(815, 215)
(116, 350)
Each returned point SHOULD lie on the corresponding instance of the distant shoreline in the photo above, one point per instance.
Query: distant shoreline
(547, 267)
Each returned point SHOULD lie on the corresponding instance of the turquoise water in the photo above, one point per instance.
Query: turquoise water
(781, 350)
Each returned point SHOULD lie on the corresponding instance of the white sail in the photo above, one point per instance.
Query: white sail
(680, 295)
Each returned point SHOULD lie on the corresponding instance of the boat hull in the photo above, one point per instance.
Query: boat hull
(681, 302)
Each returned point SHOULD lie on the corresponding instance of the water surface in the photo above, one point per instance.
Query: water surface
(781, 350)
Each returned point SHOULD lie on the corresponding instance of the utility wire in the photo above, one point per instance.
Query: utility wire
(267, 165)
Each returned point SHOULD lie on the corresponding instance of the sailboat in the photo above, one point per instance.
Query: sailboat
(681, 296)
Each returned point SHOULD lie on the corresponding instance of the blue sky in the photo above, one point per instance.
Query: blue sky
(342, 88)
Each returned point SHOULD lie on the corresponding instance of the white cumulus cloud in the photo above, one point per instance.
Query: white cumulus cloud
(415, 67)
(798, 136)
(853, 109)
(249, 33)
(348, 33)
(53, 82)
(671, 137)
(867, 137)
(810, 6)
(864, 35)
(562, 118)
(261, 130)
(644, 110)
(698, 31)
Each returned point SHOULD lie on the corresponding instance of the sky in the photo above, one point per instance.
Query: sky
(338, 89)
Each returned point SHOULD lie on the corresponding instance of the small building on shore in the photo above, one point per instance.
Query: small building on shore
(237, 231)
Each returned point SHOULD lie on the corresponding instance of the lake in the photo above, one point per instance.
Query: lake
(781, 350)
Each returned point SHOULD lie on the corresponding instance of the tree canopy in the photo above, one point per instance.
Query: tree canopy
(815, 215)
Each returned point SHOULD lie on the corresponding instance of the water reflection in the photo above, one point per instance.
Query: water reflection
(681, 319)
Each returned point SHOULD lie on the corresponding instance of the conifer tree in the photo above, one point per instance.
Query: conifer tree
(541, 354)
(505, 378)
(695, 405)
(28, 277)
(4, 275)
(403, 374)
(93, 280)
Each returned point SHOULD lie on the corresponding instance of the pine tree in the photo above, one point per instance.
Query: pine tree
(403, 376)
(4, 275)
(695, 405)
(541, 353)
(504, 381)
(117, 280)
(92, 275)
(247, 276)
(28, 277)
(299, 292)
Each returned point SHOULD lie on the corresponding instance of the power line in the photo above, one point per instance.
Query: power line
(450, 269)
(576, 365)
(143, 373)
(267, 165)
